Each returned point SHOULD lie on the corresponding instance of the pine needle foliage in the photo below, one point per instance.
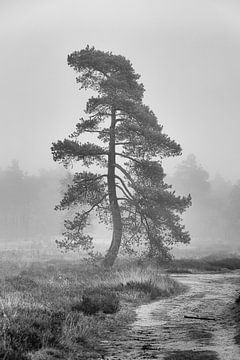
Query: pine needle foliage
(129, 191)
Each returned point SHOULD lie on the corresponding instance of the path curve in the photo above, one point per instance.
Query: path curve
(162, 332)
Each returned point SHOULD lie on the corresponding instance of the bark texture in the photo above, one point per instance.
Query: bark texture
(114, 206)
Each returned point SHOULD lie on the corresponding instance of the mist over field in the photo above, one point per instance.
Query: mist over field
(29, 222)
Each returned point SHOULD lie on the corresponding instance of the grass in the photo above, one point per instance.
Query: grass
(62, 310)
(208, 264)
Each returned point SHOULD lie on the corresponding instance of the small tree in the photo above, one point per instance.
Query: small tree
(129, 192)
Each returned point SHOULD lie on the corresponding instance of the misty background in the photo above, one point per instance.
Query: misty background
(188, 55)
(28, 219)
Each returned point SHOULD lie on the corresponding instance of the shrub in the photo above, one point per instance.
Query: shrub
(12, 355)
(80, 329)
(147, 287)
(20, 283)
(97, 299)
(31, 329)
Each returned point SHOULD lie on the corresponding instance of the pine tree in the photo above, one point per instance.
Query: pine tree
(129, 192)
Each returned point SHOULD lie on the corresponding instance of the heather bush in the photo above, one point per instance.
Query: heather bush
(97, 299)
(12, 355)
(30, 329)
(19, 283)
(146, 287)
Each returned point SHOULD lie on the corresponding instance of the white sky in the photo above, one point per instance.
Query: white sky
(187, 51)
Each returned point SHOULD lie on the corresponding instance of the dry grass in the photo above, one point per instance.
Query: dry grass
(37, 305)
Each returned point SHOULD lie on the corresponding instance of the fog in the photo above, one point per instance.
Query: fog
(188, 55)
(28, 220)
(213, 218)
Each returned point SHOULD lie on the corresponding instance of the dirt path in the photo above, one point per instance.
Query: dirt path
(162, 332)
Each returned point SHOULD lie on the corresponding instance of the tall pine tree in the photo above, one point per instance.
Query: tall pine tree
(129, 192)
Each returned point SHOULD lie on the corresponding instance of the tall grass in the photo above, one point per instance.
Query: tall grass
(63, 307)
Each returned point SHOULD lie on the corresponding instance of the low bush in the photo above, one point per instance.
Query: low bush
(84, 331)
(97, 299)
(147, 281)
(79, 329)
(31, 329)
(12, 355)
(19, 283)
(146, 287)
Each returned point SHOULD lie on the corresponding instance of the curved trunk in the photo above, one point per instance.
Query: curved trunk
(116, 215)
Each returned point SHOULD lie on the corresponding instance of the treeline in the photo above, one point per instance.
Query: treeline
(214, 217)
(27, 203)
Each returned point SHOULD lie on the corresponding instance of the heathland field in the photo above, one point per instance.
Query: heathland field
(62, 310)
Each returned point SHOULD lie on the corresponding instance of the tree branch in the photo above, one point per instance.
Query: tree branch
(92, 179)
(122, 198)
(97, 131)
(96, 204)
(125, 187)
(137, 230)
(92, 131)
(128, 157)
(118, 120)
(126, 174)
(138, 210)
(119, 187)
(123, 143)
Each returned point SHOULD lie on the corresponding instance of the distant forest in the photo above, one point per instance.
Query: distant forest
(214, 217)
(28, 201)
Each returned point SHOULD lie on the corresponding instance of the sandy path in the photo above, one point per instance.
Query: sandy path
(162, 332)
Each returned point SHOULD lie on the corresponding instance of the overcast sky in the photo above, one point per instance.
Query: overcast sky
(187, 52)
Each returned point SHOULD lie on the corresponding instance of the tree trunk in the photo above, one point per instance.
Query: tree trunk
(116, 215)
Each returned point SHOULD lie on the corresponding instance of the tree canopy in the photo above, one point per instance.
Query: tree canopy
(128, 192)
